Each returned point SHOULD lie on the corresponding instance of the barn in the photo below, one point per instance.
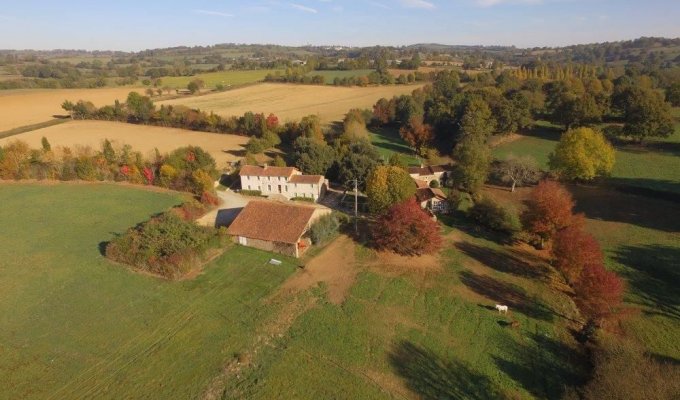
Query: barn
(275, 226)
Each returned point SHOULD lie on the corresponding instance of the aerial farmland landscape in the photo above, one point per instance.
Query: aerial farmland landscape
(325, 199)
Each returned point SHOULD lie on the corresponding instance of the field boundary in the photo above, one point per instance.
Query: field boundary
(33, 127)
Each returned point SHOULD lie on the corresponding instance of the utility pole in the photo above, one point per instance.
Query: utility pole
(356, 206)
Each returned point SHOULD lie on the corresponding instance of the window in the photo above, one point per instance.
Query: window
(269, 188)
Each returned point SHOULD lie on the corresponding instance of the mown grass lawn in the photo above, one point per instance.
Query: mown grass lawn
(212, 79)
(73, 325)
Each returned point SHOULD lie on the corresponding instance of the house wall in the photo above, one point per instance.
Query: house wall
(287, 249)
(269, 185)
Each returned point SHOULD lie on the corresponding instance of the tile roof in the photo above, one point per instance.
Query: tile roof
(425, 194)
(420, 184)
(254, 170)
(306, 179)
(272, 221)
(429, 170)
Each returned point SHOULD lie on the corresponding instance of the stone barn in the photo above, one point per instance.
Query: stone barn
(275, 226)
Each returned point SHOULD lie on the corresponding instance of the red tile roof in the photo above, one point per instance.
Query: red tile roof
(272, 221)
(308, 179)
(420, 184)
(254, 170)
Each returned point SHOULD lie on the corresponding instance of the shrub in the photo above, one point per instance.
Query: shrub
(209, 199)
(166, 245)
(324, 229)
(408, 230)
(493, 216)
(251, 192)
(305, 199)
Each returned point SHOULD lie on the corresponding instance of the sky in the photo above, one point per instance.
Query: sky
(146, 24)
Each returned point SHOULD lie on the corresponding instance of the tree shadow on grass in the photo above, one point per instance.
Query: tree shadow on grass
(460, 221)
(545, 367)
(653, 274)
(507, 294)
(511, 261)
(433, 378)
(102, 247)
(654, 210)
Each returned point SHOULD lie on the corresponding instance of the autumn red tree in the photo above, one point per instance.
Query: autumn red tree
(572, 250)
(416, 133)
(384, 111)
(272, 122)
(599, 292)
(549, 209)
(407, 230)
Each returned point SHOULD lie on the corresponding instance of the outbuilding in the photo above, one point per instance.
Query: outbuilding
(276, 226)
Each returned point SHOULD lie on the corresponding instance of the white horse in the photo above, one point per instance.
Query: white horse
(501, 308)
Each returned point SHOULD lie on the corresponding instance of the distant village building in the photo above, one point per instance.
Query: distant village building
(288, 182)
(440, 173)
(276, 226)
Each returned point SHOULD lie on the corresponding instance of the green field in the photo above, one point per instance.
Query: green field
(76, 326)
(212, 79)
(655, 166)
(387, 141)
(329, 76)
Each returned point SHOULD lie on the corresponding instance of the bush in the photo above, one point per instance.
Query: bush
(305, 199)
(493, 216)
(251, 192)
(324, 229)
(209, 199)
(166, 245)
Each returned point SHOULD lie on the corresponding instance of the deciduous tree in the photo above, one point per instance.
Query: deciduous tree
(549, 209)
(386, 186)
(408, 230)
(582, 154)
(572, 250)
(473, 161)
(518, 171)
(416, 133)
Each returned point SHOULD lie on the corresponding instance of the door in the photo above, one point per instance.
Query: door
(280, 189)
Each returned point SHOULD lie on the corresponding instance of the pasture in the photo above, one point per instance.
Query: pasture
(24, 107)
(653, 166)
(212, 79)
(223, 148)
(292, 102)
(76, 326)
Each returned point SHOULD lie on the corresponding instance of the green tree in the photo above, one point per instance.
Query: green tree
(387, 185)
(140, 107)
(582, 154)
(45, 144)
(646, 114)
(312, 157)
(108, 152)
(473, 161)
(355, 161)
(477, 118)
(673, 94)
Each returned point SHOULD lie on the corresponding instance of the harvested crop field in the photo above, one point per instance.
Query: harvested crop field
(32, 106)
(141, 137)
(291, 102)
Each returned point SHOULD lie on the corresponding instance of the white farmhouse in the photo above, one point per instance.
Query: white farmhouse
(288, 182)
(440, 173)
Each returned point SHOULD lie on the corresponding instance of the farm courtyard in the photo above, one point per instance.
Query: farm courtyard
(364, 324)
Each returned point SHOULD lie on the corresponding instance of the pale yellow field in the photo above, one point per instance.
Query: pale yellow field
(292, 102)
(223, 148)
(31, 106)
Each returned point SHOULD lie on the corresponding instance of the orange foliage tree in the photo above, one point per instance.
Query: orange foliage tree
(599, 292)
(573, 250)
(407, 230)
(416, 133)
(549, 210)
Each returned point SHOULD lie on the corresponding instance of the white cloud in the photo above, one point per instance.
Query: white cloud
(213, 13)
(303, 8)
(426, 5)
